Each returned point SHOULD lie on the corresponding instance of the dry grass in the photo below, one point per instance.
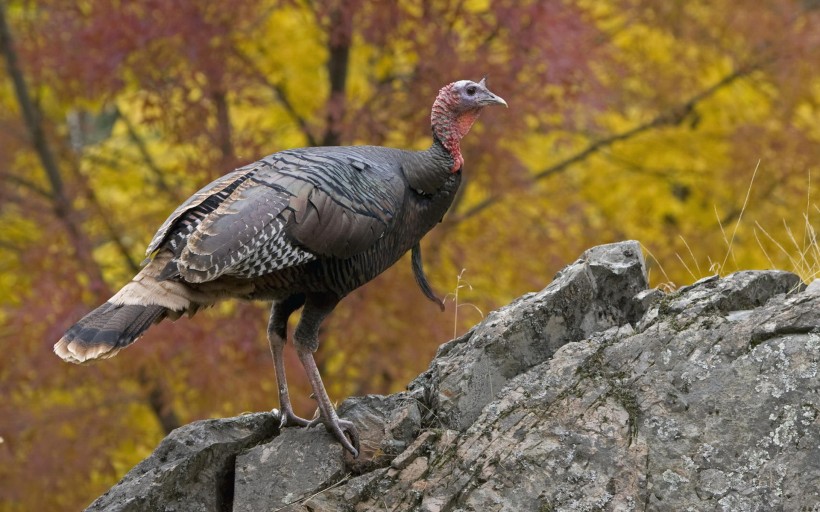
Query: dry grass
(801, 251)
(803, 256)
(460, 283)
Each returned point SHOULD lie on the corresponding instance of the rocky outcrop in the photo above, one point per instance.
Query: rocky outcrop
(191, 469)
(593, 394)
(594, 293)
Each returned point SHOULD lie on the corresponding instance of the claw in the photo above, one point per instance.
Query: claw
(346, 434)
(347, 430)
(289, 419)
(344, 431)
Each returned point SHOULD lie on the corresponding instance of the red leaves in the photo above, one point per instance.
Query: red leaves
(93, 48)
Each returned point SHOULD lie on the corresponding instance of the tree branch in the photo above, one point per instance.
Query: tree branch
(340, 35)
(62, 206)
(224, 128)
(29, 111)
(113, 232)
(8, 246)
(34, 187)
(279, 92)
(158, 174)
(159, 400)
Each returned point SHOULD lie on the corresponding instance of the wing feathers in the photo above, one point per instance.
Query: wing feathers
(242, 237)
(196, 206)
(287, 209)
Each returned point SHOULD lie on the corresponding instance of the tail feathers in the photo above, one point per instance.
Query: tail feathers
(120, 321)
(107, 330)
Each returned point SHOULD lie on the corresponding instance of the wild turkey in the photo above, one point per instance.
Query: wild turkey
(301, 227)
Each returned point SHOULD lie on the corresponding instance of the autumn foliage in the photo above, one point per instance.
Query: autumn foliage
(693, 127)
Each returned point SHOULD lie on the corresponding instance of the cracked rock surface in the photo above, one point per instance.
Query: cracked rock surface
(192, 468)
(593, 394)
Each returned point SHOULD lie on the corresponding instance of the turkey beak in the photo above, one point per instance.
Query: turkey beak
(492, 99)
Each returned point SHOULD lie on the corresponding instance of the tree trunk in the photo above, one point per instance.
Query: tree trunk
(223, 126)
(340, 35)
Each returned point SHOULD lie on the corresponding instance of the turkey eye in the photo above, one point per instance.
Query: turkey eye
(471, 90)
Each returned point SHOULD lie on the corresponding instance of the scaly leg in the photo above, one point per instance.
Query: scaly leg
(277, 338)
(306, 340)
(340, 429)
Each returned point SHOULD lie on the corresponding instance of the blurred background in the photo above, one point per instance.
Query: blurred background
(692, 126)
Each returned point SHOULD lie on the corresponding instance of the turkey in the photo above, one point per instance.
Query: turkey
(301, 228)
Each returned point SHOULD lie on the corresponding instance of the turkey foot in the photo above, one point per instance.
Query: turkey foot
(342, 430)
(289, 419)
(277, 336)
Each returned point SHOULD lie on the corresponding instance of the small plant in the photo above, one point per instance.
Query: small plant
(667, 286)
(730, 242)
(460, 283)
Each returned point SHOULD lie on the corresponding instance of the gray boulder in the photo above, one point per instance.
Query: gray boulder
(592, 294)
(191, 469)
(693, 412)
(593, 394)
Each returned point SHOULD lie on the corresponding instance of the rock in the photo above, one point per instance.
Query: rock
(593, 394)
(688, 414)
(387, 425)
(420, 446)
(739, 291)
(301, 462)
(192, 468)
(292, 467)
(592, 294)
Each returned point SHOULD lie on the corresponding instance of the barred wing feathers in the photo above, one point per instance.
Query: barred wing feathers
(287, 209)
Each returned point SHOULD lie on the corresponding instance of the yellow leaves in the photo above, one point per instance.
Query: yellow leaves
(807, 112)
(477, 6)
(288, 49)
(130, 450)
(652, 45)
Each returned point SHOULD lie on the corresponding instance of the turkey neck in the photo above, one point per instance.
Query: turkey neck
(429, 171)
(433, 186)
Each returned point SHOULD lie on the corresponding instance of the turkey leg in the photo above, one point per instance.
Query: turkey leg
(277, 338)
(306, 340)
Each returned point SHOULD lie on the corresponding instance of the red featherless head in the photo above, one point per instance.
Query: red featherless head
(456, 108)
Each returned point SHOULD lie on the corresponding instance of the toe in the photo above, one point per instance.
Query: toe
(344, 431)
(291, 420)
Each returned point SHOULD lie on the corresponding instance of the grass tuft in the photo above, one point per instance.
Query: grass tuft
(802, 253)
